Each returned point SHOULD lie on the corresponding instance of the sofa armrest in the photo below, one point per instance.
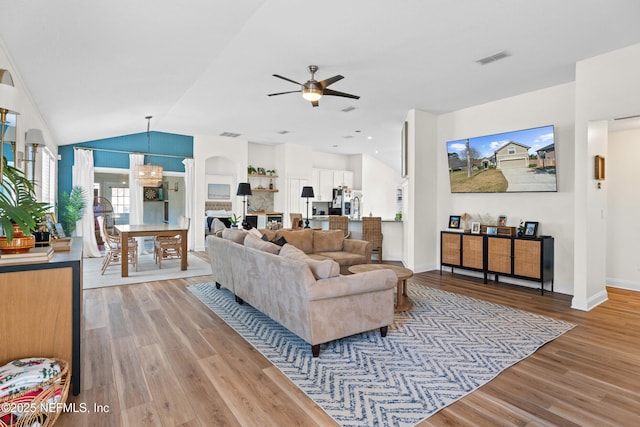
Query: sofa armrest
(361, 283)
(360, 247)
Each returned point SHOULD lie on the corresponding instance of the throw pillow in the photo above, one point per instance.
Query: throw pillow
(320, 269)
(234, 234)
(254, 242)
(280, 241)
(255, 232)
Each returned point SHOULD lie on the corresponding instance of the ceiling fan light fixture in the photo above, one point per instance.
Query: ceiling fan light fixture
(311, 92)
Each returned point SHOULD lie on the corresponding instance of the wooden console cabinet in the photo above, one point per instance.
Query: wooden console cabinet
(42, 310)
(519, 257)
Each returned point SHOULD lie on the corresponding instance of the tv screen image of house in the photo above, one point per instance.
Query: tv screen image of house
(509, 162)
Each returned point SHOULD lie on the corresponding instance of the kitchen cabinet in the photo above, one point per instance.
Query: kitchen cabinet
(325, 180)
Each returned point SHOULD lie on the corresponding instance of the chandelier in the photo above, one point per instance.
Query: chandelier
(147, 174)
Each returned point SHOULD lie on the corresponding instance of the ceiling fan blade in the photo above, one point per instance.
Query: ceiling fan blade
(326, 82)
(287, 79)
(282, 93)
(336, 93)
(315, 103)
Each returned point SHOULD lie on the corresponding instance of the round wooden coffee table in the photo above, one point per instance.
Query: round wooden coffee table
(403, 303)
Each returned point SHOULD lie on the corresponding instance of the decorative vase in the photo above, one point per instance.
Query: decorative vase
(19, 244)
(520, 233)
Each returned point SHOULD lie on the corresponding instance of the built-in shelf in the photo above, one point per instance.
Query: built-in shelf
(264, 190)
(255, 175)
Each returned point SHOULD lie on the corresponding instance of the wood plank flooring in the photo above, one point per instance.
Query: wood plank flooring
(155, 356)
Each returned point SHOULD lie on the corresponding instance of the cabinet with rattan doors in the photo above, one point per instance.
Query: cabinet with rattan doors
(462, 250)
(527, 258)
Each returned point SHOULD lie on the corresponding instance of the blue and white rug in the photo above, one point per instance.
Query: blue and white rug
(434, 354)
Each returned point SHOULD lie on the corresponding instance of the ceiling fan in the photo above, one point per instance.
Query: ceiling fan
(313, 90)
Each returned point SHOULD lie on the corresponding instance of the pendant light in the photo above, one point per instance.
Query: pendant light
(148, 174)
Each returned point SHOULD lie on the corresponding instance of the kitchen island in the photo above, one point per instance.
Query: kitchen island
(392, 231)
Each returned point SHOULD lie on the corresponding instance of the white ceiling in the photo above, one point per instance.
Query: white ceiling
(204, 67)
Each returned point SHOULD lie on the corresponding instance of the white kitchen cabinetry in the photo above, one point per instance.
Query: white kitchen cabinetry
(325, 180)
(325, 187)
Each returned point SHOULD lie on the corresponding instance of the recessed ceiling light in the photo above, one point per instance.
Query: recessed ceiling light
(369, 138)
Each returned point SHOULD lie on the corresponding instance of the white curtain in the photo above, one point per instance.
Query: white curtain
(136, 207)
(82, 176)
(188, 202)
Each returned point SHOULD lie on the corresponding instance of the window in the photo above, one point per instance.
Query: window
(512, 150)
(120, 200)
(48, 178)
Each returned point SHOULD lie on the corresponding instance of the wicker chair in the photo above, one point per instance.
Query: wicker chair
(295, 220)
(113, 248)
(339, 222)
(372, 232)
(167, 247)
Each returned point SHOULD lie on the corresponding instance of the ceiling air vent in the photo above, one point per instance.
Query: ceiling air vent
(350, 108)
(493, 58)
(230, 134)
(283, 132)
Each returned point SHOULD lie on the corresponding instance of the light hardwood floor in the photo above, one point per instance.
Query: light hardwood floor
(156, 356)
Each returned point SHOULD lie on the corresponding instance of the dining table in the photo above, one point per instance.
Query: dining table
(142, 230)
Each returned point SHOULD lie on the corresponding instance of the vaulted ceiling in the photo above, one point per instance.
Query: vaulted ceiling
(204, 67)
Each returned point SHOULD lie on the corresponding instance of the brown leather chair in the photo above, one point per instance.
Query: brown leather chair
(339, 222)
(372, 232)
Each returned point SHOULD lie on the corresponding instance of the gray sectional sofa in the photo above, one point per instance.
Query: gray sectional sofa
(307, 296)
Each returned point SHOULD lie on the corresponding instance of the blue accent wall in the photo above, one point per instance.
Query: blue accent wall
(161, 143)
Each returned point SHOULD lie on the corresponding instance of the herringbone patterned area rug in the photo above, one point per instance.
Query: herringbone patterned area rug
(444, 348)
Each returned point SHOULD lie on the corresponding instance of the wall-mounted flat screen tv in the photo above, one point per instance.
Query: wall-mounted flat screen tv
(510, 162)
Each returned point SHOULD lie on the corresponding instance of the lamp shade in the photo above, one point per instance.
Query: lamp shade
(149, 175)
(34, 136)
(244, 189)
(8, 93)
(10, 134)
(307, 192)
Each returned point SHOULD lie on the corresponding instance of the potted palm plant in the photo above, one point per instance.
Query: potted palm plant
(20, 210)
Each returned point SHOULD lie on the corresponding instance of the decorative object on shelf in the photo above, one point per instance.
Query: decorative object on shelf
(530, 229)
(33, 138)
(261, 171)
(271, 184)
(502, 220)
(150, 193)
(308, 193)
(492, 231)
(149, 174)
(521, 229)
(475, 227)
(465, 219)
(454, 221)
(271, 172)
(233, 220)
(251, 170)
(72, 209)
(599, 168)
(244, 189)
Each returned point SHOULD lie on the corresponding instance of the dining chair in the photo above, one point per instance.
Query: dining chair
(372, 232)
(167, 247)
(113, 248)
(340, 222)
(295, 220)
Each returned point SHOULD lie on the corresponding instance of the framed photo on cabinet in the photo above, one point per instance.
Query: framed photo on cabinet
(530, 229)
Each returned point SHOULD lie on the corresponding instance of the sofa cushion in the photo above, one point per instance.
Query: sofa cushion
(254, 242)
(301, 239)
(327, 240)
(344, 258)
(235, 234)
(268, 235)
(320, 269)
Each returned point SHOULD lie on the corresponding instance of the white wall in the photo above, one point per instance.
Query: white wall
(554, 211)
(330, 161)
(622, 176)
(606, 87)
(378, 188)
(205, 148)
(29, 117)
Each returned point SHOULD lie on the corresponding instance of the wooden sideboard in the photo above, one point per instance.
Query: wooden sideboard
(519, 257)
(42, 310)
